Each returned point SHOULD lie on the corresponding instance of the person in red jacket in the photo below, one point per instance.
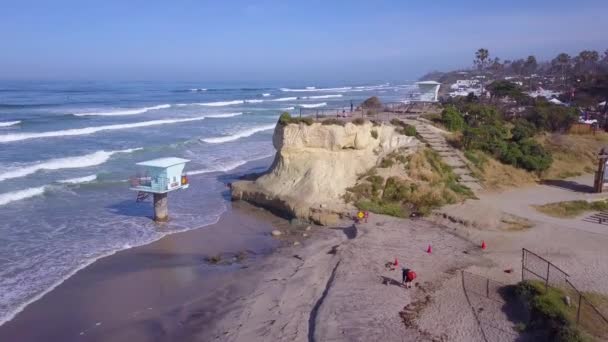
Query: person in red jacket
(408, 276)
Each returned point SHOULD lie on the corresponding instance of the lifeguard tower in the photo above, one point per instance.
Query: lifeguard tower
(158, 177)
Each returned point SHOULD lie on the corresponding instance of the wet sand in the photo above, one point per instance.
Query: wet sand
(155, 292)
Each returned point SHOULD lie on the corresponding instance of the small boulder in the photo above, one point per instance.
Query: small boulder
(304, 235)
(296, 243)
(308, 228)
(276, 232)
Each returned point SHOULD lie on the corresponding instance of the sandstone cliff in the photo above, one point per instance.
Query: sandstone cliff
(315, 164)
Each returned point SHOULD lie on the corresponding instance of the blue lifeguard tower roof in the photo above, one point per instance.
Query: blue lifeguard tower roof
(163, 163)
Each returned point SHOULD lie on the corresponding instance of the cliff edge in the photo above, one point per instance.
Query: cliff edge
(314, 165)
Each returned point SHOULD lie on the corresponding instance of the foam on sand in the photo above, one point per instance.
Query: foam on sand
(79, 180)
(9, 123)
(120, 112)
(86, 160)
(20, 194)
(90, 130)
(282, 99)
(238, 135)
(314, 105)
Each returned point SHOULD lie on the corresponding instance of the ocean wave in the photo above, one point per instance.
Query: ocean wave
(321, 97)
(9, 123)
(79, 180)
(288, 108)
(238, 135)
(266, 94)
(133, 111)
(90, 130)
(254, 101)
(20, 195)
(87, 160)
(314, 105)
(227, 167)
(311, 89)
(220, 103)
(194, 90)
(226, 115)
(283, 99)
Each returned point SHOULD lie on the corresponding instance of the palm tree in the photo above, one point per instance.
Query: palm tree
(481, 59)
(562, 63)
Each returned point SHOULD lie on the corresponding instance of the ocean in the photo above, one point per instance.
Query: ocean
(67, 150)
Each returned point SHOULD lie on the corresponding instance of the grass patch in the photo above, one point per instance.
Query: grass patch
(571, 209)
(551, 315)
(572, 154)
(429, 185)
(383, 207)
(404, 128)
(358, 121)
(374, 134)
(286, 119)
(333, 121)
(476, 158)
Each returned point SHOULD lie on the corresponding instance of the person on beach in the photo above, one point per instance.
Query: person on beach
(360, 216)
(408, 276)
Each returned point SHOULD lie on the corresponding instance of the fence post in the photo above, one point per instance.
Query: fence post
(488, 287)
(578, 312)
(523, 256)
(300, 111)
(547, 281)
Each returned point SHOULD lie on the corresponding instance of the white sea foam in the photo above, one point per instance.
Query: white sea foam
(220, 103)
(9, 123)
(86, 160)
(79, 180)
(198, 89)
(120, 112)
(314, 105)
(283, 99)
(20, 194)
(90, 130)
(227, 167)
(226, 115)
(238, 135)
(309, 89)
(288, 108)
(266, 94)
(254, 101)
(321, 97)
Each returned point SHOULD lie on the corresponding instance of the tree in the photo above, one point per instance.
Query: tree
(496, 67)
(501, 89)
(481, 58)
(517, 66)
(530, 65)
(561, 63)
(586, 63)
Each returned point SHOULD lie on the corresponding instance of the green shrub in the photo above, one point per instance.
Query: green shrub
(333, 121)
(552, 118)
(522, 129)
(286, 119)
(478, 159)
(452, 119)
(409, 130)
(372, 103)
(374, 134)
(386, 163)
(358, 121)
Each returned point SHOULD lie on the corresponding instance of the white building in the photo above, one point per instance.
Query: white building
(429, 91)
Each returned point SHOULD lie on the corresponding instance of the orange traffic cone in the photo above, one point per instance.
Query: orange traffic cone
(483, 245)
(396, 263)
(429, 250)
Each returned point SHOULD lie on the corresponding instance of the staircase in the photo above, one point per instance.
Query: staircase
(451, 156)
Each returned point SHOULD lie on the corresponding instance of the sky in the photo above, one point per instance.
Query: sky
(329, 41)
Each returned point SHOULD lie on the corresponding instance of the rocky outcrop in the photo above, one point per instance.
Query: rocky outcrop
(315, 164)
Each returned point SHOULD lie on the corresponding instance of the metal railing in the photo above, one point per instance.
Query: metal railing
(588, 316)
